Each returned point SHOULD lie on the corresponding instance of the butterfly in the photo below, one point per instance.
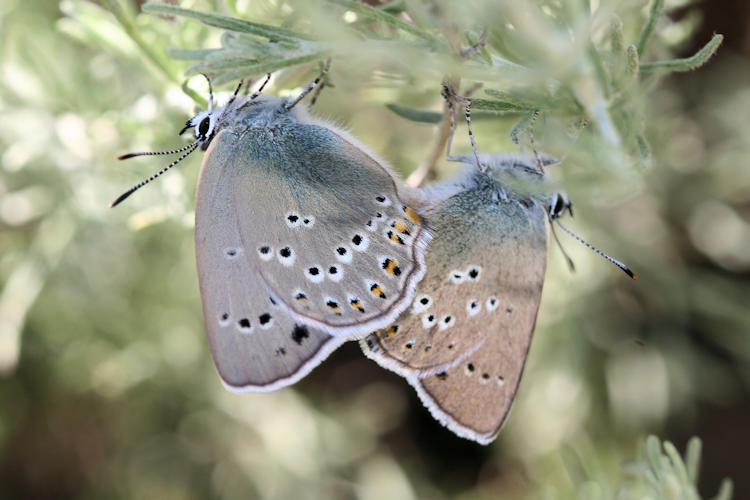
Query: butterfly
(302, 238)
(464, 342)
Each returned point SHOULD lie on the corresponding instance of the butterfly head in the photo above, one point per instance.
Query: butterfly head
(203, 125)
(557, 204)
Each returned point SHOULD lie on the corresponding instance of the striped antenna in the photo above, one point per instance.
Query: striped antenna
(155, 153)
(190, 148)
(616, 262)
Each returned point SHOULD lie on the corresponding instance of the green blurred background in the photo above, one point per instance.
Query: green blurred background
(107, 389)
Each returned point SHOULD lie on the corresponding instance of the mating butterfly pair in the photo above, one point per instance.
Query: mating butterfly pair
(305, 240)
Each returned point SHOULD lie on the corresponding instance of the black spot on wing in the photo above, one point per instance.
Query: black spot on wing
(300, 333)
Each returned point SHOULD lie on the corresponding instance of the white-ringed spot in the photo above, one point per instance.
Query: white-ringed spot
(286, 256)
(343, 254)
(315, 274)
(456, 277)
(473, 307)
(473, 272)
(224, 319)
(383, 200)
(265, 252)
(335, 274)
(308, 221)
(447, 322)
(292, 220)
(469, 369)
(244, 325)
(421, 303)
(492, 303)
(428, 320)
(360, 242)
(266, 321)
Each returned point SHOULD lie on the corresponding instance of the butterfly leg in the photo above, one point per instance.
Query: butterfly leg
(246, 92)
(254, 94)
(452, 113)
(446, 129)
(469, 52)
(234, 94)
(321, 86)
(466, 103)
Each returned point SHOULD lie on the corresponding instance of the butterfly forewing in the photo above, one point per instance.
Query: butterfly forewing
(321, 224)
(255, 343)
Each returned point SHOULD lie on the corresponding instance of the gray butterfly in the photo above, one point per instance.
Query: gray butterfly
(464, 342)
(302, 239)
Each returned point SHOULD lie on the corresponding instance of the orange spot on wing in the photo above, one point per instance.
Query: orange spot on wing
(334, 306)
(377, 291)
(395, 238)
(391, 267)
(401, 227)
(412, 214)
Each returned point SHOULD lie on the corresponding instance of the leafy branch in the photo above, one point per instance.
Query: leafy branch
(664, 474)
(546, 62)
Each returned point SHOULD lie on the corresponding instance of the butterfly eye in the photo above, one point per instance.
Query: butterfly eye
(203, 127)
(561, 204)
